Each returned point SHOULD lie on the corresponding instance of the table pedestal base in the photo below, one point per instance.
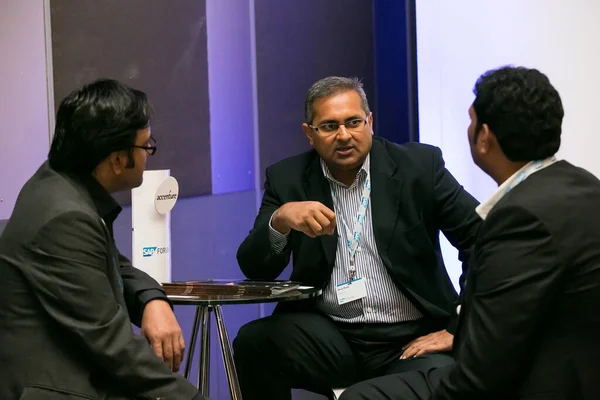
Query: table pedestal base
(202, 322)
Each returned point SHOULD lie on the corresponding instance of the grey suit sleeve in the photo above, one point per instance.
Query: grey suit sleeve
(69, 277)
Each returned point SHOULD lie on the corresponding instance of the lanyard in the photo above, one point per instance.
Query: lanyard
(532, 168)
(353, 239)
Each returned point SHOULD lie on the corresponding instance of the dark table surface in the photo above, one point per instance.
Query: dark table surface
(302, 293)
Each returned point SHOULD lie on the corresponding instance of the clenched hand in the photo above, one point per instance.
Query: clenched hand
(309, 217)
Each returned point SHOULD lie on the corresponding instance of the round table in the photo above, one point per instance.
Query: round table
(206, 304)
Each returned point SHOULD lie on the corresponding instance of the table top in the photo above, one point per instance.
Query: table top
(302, 293)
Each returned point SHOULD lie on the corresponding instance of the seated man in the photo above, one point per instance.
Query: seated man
(67, 296)
(529, 324)
(359, 209)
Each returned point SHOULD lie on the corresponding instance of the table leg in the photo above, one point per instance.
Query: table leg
(204, 367)
(192, 344)
(232, 379)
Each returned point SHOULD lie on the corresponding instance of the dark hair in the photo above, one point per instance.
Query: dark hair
(94, 121)
(329, 86)
(522, 109)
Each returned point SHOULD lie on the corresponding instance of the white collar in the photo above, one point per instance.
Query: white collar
(366, 167)
(527, 170)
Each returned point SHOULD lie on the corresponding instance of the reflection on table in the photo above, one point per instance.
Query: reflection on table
(208, 296)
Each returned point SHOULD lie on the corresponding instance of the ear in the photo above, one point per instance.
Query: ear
(370, 122)
(485, 139)
(309, 133)
(117, 161)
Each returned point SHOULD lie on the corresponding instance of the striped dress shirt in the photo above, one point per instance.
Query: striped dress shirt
(384, 303)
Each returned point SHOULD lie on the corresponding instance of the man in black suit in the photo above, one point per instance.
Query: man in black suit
(529, 324)
(67, 296)
(362, 210)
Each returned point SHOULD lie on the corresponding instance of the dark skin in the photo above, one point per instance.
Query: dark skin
(159, 324)
(344, 153)
(487, 155)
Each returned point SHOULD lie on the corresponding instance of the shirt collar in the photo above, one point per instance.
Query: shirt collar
(515, 179)
(105, 204)
(364, 170)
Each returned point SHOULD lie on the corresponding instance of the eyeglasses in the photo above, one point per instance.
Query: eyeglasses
(150, 147)
(330, 128)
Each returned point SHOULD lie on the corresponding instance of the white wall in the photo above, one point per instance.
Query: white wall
(23, 96)
(459, 40)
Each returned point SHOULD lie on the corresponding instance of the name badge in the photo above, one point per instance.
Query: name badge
(351, 291)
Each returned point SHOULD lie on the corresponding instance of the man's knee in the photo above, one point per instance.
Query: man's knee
(266, 336)
(359, 391)
(251, 339)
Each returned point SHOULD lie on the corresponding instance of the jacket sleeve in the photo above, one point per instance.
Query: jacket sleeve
(68, 276)
(139, 289)
(456, 218)
(516, 275)
(257, 257)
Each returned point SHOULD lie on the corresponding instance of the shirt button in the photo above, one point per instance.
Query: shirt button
(458, 309)
(369, 309)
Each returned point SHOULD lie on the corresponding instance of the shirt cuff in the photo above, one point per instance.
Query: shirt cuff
(147, 296)
(277, 239)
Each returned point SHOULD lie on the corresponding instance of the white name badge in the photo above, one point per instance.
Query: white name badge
(351, 291)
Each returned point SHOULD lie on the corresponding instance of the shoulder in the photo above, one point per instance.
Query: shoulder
(409, 148)
(413, 159)
(48, 196)
(549, 193)
(560, 195)
(559, 186)
(412, 152)
(292, 167)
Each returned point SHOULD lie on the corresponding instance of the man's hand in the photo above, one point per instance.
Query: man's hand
(435, 342)
(160, 327)
(310, 217)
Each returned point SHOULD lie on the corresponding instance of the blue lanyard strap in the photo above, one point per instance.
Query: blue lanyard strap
(532, 168)
(354, 237)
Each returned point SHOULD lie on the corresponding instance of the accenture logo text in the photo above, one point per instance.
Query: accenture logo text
(169, 196)
(150, 251)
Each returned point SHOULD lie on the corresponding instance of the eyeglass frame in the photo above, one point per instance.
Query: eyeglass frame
(151, 150)
(316, 128)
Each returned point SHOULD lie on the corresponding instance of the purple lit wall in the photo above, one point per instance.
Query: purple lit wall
(152, 46)
(230, 76)
(298, 43)
(23, 97)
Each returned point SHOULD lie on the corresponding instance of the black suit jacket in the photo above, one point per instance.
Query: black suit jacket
(67, 300)
(413, 198)
(529, 326)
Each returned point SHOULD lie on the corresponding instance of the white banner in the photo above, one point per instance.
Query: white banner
(151, 204)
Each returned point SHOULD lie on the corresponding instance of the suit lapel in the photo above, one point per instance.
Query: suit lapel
(385, 198)
(317, 188)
